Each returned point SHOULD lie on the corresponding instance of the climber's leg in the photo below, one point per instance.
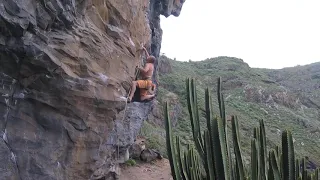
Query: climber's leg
(148, 94)
(147, 97)
(133, 90)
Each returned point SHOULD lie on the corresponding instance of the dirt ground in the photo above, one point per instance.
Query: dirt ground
(158, 170)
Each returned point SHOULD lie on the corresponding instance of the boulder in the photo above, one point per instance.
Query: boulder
(137, 147)
(149, 155)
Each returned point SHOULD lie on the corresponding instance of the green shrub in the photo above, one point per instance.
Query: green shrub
(131, 162)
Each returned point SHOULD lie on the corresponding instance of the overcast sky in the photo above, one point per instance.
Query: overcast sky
(266, 34)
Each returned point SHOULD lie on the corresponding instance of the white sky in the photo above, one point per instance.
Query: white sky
(266, 34)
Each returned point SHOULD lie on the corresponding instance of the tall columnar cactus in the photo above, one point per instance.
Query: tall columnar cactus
(288, 159)
(212, 151)
(254, 159)
(263, 149)
(274, 166)
(298, 174)
(171, 150)
(237, 150)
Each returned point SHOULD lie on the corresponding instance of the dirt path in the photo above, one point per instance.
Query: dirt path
(158, 170)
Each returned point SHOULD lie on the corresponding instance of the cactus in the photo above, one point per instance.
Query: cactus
(274, 166)
(263, 150)
(211, 159)
(288, 165)
(297, 169)
(236, 144)
(194, 115)
(254, 159)
(170, 147)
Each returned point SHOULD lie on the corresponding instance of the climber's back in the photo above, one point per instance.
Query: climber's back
(149, 68)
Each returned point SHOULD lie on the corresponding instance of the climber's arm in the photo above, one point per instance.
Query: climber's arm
(145, 69)
(145, 50)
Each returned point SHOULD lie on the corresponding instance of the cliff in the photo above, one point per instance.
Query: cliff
(65, 68)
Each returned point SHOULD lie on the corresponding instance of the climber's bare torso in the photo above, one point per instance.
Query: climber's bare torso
(147, 71)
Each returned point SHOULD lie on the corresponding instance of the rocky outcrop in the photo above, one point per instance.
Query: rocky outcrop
(139, 151)
(258, 94)
(157, 8)
(65, 67)
(164, 65)
(137, 147)
(149, 155)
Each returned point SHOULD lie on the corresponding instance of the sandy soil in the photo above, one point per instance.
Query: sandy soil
(158, 170)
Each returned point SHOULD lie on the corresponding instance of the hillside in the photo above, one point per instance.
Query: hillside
(287, 98)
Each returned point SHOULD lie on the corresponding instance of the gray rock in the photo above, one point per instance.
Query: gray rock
(135, 151)
(114, 31)
(61, 85)
(149, 155)
(8, 166)
(137, 148)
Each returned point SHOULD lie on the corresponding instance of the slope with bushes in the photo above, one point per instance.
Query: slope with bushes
(286, 99)
(212, 156)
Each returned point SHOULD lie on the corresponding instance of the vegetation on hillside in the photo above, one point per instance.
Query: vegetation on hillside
(293, 106)
(284, 99)
(212, 157)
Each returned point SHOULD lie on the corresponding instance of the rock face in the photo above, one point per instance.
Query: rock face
(65, 67)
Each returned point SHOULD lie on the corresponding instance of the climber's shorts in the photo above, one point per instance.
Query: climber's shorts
(145, 86)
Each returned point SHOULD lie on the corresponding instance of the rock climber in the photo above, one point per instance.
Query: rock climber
(145, 84)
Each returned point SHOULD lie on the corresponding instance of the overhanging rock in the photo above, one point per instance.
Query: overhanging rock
(65, 67)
